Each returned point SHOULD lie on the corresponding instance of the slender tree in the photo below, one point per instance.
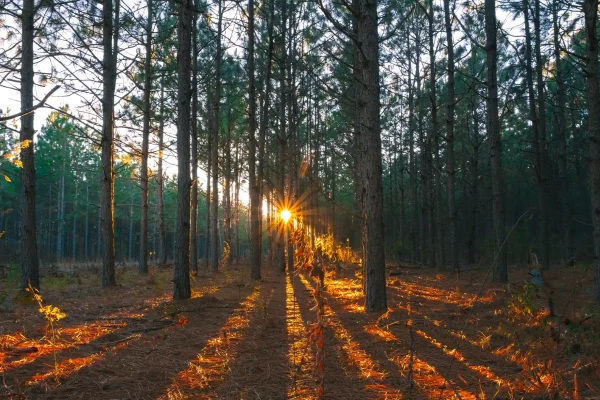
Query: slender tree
(143, 260)
(110, 40)
(181, 279)
(28, 244)
(494, 141)
(590, 9)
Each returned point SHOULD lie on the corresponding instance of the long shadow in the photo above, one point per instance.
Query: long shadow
(352, 374)
(89, 329)
(262, 351)
(212, 365)
(391, 352)
(143, 366)
(462, 376)
(442, 333)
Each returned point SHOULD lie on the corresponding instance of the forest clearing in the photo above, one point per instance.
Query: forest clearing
(443, 337)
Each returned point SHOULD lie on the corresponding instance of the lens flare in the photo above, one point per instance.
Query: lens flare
(285, 215)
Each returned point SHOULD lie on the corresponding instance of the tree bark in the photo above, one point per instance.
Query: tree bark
(28, 241)
(162, 241)
(181, 279)
(435, 157)
(194, 134)
(215, 148)
(143, 263)
(255, 245)
(494, 142)
(110, 41)
(590, 9)
(369, 155)
(450, 168)
(540, 144)
(563, 172)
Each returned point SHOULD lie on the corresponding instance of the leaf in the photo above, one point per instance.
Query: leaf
(6, 178)
(18, 163)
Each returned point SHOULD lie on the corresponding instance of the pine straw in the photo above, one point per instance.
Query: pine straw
(236, 340)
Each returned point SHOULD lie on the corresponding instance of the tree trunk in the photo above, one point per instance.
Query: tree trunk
(541, 151)
(563, 172)
(494, 142)
(215, 148)
(28, 241)
(87, 217)
(434, 139)
(162, 241)
(227, 189)
(143, 263)
(110, 41)
(414, 219)
(181, 279)
(60, 235)
(281, 140)
(369, 139)
(74, 233)
(450, 168)
(264, 120)
(590, 8)
(194, 134)
(255, 244)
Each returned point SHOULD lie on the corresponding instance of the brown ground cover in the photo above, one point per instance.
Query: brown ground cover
(445, 336)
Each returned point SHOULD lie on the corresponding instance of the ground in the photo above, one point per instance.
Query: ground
(445, 336)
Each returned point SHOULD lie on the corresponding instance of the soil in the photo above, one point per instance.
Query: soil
(445, 336)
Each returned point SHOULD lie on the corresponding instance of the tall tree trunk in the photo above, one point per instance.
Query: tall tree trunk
(227, 189)
(207, 245)
(369, 132)
(255, 200)
(28, 241)
(450, 168)
(181, 279)
(87, 217)
(162, 232)
(590, 8)
(143, 263)
(563, 193)
(264, 120)
(414, 219)
(435, 142)
(535, 130)
(74, 233)
(110, 39)
(130, 238)
(474, 181)
(494, 142)
(424, 250)
(542, 152)
(194, 133)
(215, 148)
(60, 235)
(281, 262)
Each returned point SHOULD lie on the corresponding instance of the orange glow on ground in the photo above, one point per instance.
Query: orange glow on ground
(68, 338)
(369, 370)
(300, 359)
(212, 364)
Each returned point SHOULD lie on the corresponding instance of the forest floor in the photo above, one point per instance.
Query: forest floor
(445, 336)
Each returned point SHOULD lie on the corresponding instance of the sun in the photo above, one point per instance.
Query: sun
(285, 215)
